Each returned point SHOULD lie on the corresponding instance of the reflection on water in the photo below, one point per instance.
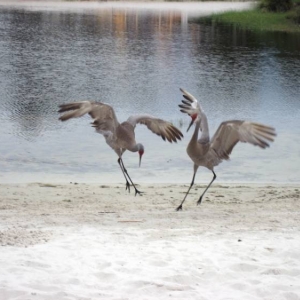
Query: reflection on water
(136, 60)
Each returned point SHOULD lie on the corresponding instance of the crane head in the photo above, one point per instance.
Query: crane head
(193, 117)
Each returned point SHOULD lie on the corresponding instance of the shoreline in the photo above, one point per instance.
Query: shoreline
(27, 204)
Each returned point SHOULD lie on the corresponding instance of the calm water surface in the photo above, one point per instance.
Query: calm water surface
(136, 58)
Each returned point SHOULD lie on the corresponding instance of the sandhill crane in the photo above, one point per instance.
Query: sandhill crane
(208, 152)
(120, 137)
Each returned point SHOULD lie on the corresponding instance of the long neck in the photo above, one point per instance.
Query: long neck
(203, 125)
(204, 130)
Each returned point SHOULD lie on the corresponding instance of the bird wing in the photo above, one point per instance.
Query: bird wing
(158, 126)
(103, 114)
(231, 132)
(192, 107)
(190, 104)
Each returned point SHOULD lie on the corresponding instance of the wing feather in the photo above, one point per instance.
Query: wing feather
(103, 114)
(158, 126)
(190, 104)
(230, 133)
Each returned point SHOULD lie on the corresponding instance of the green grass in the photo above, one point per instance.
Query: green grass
(256, 20)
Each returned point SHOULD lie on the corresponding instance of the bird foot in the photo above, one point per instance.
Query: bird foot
(179, 207)
(138, 192)
(128, 186)
(199, 201)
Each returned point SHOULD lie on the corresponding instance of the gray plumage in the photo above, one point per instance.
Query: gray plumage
(208, 152)
(119, 136)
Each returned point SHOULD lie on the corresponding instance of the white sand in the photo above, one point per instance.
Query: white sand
(83, 241)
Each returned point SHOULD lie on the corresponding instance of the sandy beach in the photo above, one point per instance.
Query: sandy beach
(88, 241)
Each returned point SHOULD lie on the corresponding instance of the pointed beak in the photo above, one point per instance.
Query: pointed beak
(192, 122)
(140, 160)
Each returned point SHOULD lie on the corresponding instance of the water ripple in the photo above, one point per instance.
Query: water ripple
(136, 60)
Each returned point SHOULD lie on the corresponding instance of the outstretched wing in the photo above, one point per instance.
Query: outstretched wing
(160, 127)
(103, 114)
(192, 107)
(230, 133)
(189, 105)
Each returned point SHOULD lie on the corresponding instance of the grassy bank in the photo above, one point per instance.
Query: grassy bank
(256, 20)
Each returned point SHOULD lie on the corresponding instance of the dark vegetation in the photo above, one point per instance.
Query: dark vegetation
(269, 15)
(276, 5)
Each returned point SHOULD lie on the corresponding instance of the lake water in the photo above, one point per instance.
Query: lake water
(135, 57)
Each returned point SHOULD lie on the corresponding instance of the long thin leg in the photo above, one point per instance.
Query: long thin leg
(125, 171)
(127, 183)
(200, 199)
(192, 183)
